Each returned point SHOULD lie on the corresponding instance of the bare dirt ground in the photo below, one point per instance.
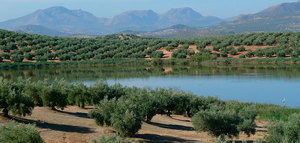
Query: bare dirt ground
(167, 54)
(73, 126)
(193, 48)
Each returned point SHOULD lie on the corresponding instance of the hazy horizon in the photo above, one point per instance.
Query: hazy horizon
(101, 8)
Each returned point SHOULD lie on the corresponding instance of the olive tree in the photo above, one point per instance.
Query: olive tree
(79, 95)
(224, 122)
(14, 100)
(54, 95)
(126, 119)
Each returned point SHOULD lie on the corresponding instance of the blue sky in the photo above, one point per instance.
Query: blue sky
(108, 8)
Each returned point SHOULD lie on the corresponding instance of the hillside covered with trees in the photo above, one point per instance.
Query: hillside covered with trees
(17, 47)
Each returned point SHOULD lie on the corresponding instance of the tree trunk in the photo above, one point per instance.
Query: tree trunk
(53, 108)
(5, 112)
(169, 113)
(82, 105)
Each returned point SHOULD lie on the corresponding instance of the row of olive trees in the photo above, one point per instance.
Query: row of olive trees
(209, 114)
(125, 108)
(21, 96)
(18, 47)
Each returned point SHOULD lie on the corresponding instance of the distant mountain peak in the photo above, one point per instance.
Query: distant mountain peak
(276, 11)
(55, 9)
(183, 11)
(138, 13)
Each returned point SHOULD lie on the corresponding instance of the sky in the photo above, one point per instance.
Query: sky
(107, 8)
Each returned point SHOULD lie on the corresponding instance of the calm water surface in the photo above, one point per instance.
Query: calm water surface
(248, 84)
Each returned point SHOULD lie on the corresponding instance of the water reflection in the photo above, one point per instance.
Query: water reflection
(264, 84)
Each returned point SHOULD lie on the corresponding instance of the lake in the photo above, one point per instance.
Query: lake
(261, 84)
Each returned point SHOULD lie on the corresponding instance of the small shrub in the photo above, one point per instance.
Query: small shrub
(41, 58)
(250, 54)
(17, 58)
(112, 139)
(233, 52)
(242, 56)
(294, 55)
(224, 54)
(29, 56)
(5, 56)
(281, 53)
(14, 133)
(285, 132)
(259, 53)
(241, 49)
(269, 53)
(157, 54)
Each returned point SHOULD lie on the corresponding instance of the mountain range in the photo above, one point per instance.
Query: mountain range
(62, 21)
(175, 23)
(283, 17)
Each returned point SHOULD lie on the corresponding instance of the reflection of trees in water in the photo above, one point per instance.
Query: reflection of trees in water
(116, 72)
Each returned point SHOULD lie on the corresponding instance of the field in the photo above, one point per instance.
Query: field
(72, 125)
(16, 47)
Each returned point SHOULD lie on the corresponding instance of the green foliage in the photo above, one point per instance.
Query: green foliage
(17, 46)
(12, 98)
(201, 57)
(250, 54)
(54, 95)
(223, 54)
(104, 111)
(233, 52)
(17, 58)
(97, 115)
(285, 132)
(79, 95)
(157, 54)
(29, 56)
(101, 90)
(157, 62)
(241, 49)
(259, 53)
(6, 56)
(227, 122)
(242, 56)
(144, 101)
(112, 139)
(126, 120)
(14, 133)
(123, 117)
